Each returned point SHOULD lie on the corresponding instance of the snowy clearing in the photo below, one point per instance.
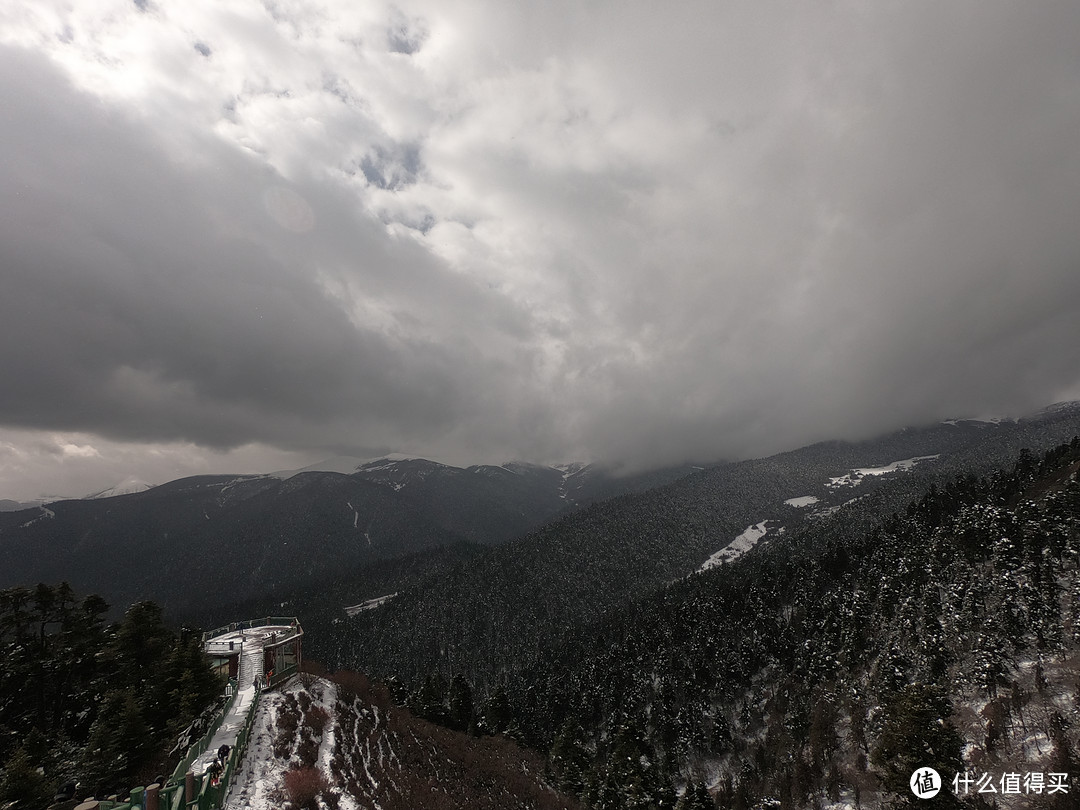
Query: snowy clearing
(739, 546)
(45, 513)
(370, 604)
(856, 476)
(801, 501)
(986, 420)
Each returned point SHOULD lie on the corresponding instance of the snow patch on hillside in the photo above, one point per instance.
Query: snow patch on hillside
(129, 486)
(45, 513)
(740, 545)
(370, 604)
(855, 477)
(260, 776)
(347, 465)
(801, 501)
(569, 471)
(986, 420)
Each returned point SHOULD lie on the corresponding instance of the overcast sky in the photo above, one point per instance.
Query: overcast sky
(244, 236)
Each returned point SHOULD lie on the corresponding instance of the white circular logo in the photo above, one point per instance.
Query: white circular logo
(925, 783)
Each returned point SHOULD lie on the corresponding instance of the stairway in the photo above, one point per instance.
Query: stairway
(251, 667)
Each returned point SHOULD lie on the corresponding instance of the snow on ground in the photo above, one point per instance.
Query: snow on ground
(260, 778)
(989, 420)
(569, 471)
(856, 476)
(327, 698)
(228, 730)
(801, 501)
(339, 464)
(128, 486)
(45, 513)
(370, 604)
(825, 511)
(249, 642)
(739, 546)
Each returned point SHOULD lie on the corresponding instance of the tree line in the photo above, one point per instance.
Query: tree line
(86, 701)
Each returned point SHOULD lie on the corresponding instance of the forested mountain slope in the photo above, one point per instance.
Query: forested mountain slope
(494, 613)
(207, 541)
(825, 668)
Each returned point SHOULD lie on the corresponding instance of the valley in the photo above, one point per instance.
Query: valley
(746, 633)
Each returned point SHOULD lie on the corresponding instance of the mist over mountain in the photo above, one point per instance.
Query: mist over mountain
(212, 540)
(489, 613)
(760, 631)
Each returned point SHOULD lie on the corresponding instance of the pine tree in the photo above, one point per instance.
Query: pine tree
(461, 704)
(430, 701)
(570, 758)
(631, 777)
(917, 733)
(118, 741)
(23, 784)
(497, 714)
(695, 797)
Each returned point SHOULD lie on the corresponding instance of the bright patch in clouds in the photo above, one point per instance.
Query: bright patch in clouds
(483, 230)
(35, 465)
(78, 450)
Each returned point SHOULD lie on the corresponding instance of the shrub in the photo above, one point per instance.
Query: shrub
(316, 719)
(307, 752)
(288, 721)
(304, 786)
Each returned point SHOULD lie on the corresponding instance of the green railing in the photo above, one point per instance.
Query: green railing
(172, 795)
(210, 797)
(199, 748)
(281, 675)
(207, 796)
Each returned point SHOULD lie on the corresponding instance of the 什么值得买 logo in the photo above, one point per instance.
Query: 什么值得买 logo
(925, 783)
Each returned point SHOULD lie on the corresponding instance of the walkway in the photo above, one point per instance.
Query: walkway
(250, 642)
(228, 730)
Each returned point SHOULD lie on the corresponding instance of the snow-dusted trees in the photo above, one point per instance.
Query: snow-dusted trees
(105, 697)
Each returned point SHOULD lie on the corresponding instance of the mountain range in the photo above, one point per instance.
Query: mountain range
(492, 611)
(213, 540)
(798, 631)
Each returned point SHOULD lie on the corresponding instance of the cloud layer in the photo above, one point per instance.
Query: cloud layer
(502, 230)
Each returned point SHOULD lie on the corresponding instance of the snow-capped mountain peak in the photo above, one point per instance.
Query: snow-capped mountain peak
(128, 486)
(348, 465)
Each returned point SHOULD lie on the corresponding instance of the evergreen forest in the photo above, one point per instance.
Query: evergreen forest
(81, 700)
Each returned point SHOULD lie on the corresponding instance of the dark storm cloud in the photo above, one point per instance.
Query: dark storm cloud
(150, 299)
(912, 213)
(544, 232)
